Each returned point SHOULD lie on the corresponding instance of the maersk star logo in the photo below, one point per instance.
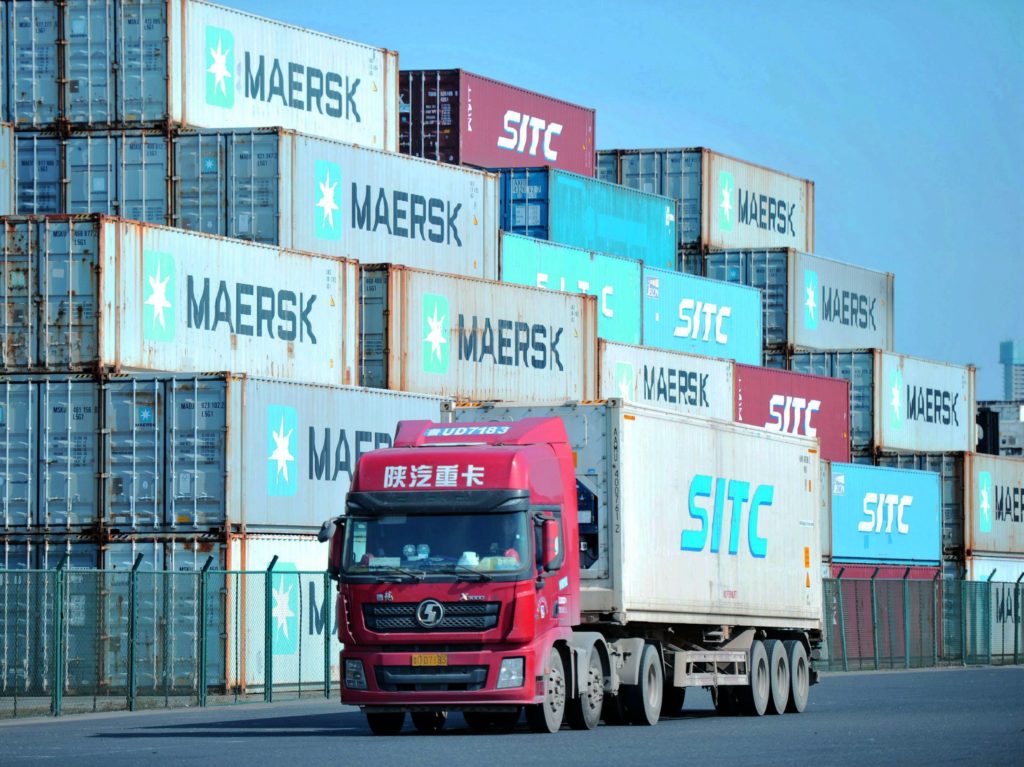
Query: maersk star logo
(282, 437)
(895, 401)
(158, 290)
(810, 306)
(435, 333)
(984, 502)
(220, 63)
(284, 612)
(328, 200)
(726, 186)
(624, 379)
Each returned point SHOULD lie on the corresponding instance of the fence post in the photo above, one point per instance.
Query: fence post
(936, 600)
(874, 617)
(1018, 623)
(842, 621)
(906, 619)
(963, 623)
(203, 584)
(268, 634)
(328, 622)
(57, 683)
(133, 608)
(988, 613)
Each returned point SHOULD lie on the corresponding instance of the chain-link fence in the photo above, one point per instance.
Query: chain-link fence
(91, 640)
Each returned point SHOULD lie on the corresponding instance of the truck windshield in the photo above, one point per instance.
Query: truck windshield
(456, 544)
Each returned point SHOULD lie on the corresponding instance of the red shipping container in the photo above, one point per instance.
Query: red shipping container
(456, 117)
(795, 403)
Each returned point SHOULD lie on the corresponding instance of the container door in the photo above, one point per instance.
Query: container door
(374, 295)
(143, 61)
(34, 67)
(134, 425)
(92, 170)
(118, 559)
(17, 276)
(253, 182)
(18, 413)
(524, 202)
(142, 178)
(769, 272)
(69, 429)
(196, 447)
(37, 174)
(89, 63)
(182, 599)
(200, 171)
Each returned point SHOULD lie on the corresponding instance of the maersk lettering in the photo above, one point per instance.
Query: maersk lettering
(405, 214)
(1009, 503)
(765, 212)
(519, 344)
(250, 310)
(320, 612)
(305, 87)
(331, 454)
(847, 308)
(932, 405)
(678, 387)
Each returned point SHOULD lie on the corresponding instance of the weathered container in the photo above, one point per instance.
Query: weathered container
(475, 339)
(7, 155)
(585, 213)
(321, 196)
(698, 316)
(993, 505)
(615, 281)
(950, 468)
(686, 383)
(897, 403)
(453, 116)
(796, 403)
(167, 453)
(118, 173)
(649, 554)
(851, 571)
(993, 619)
(1005, 569)
(882, 515)
(187, 62)
(99, 292)
(812, 302)
(724, 202)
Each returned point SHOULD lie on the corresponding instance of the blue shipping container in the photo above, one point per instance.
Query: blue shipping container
(576, 210)
(32, 64)
(699, 316)
(950, 468)
(885, 515)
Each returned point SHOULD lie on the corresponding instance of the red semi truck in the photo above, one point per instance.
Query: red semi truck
(577, 560)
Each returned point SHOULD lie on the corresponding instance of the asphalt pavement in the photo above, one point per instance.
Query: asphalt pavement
(936, 717)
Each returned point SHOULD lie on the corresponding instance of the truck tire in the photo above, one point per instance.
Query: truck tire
(584, 711)
(385, 722)
(643, 699)
(429, 721)
(547, 716)
(778, 667)
(754, 697)
(799, 675)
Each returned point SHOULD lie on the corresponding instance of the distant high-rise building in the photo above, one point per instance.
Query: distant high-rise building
(1011, 354)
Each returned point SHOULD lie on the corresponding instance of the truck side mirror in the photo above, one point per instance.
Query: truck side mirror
(552, 551)
(333, 530)
(326, 530)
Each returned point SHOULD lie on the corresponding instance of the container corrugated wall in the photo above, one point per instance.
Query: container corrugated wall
(994, 505)
(7, 157)
(950, 468)
(475, 339)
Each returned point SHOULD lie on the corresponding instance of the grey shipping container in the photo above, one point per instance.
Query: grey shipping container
(7, 158)
(148, 63)
(723, 202)
(811, 302)
(186, 453)
(950, 468)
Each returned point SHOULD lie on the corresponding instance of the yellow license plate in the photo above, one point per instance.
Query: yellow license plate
(429, 659)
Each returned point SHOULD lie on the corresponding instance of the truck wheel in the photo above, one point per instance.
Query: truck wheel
(643, 700)
(672, 699)
(584, 710)
(799, 675)
(754, 697)
(385, 722)
(429, 721)
(547, 716)
(778, 667)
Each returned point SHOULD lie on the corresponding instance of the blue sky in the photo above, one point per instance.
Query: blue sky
(909, 117)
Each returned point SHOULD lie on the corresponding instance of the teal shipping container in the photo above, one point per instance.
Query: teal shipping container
(615, 281)
(576, 210)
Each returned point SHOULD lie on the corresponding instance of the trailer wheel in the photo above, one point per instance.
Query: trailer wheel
(385, 722)
(584, 711)
(429, 721)
(754, 697)
(799, 674)
(778, 667)
(547, 716)
(643, 699)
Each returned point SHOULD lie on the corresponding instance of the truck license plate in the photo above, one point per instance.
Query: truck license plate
(429, 659)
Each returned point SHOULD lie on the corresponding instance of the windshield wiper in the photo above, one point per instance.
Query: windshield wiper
(416, 575)
(461, 569)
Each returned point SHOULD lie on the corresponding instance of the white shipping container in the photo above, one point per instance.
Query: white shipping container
(992, 620)
(685, 383)
(661, 549)
(475, 339)
(231, 69)
(923, 406)
(993, 504)
(1006, 569)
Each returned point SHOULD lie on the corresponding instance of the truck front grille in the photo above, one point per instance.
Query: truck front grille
(431, 678)
(393, 617)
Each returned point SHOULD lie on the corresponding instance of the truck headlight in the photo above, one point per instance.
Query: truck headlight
(511, 673)
(355, 679)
